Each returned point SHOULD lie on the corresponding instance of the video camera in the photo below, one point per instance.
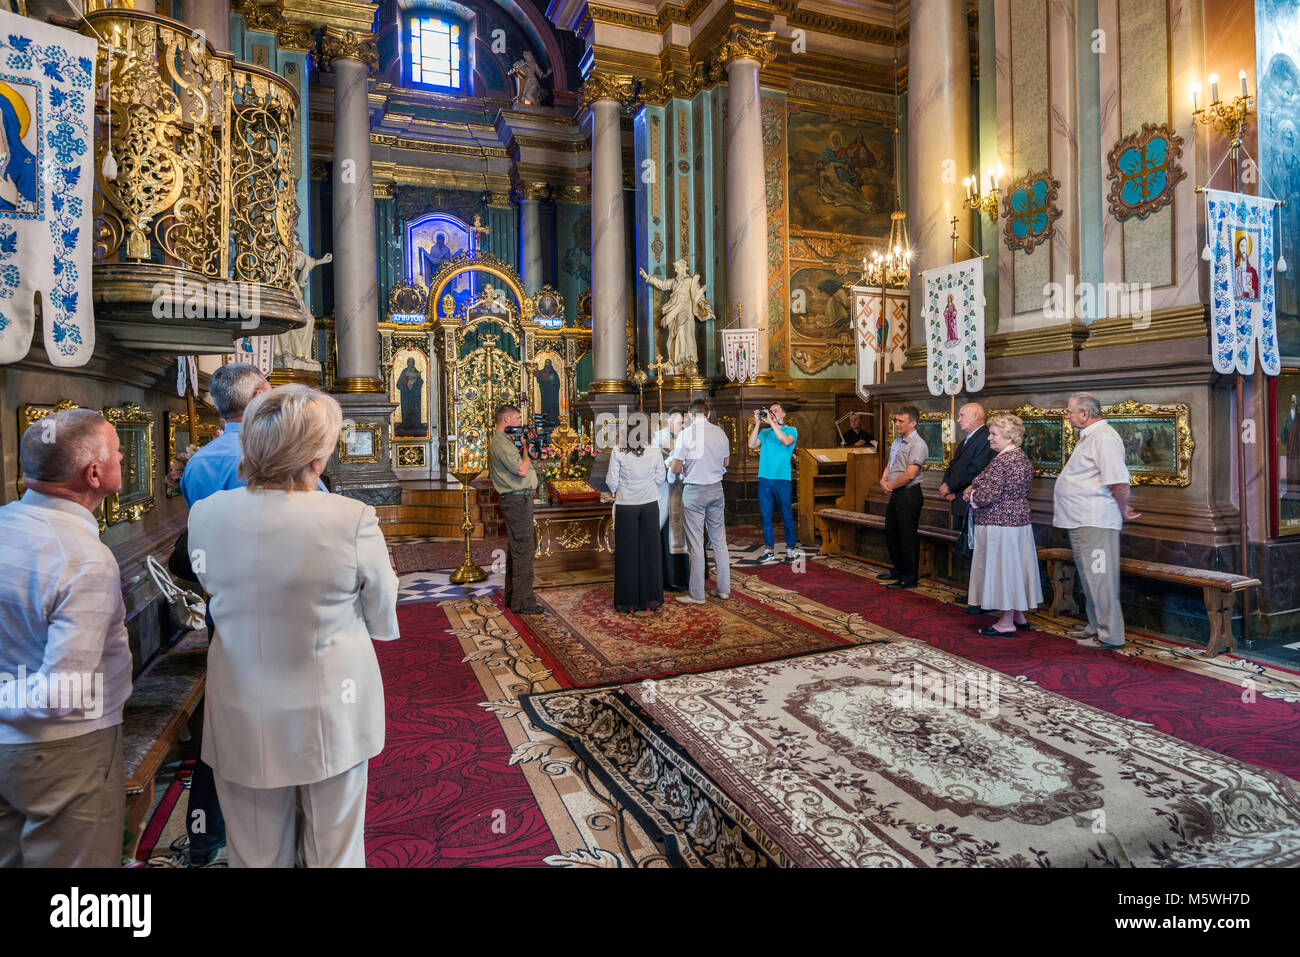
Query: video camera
(536, 435)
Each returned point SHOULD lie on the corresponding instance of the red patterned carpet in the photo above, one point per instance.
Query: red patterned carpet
(1201, 710)
(587, 643)
(442, 793)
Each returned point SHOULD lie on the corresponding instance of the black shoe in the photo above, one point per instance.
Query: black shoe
(991, 632)
(903, 583)
(530, 610)
(887, 576)
(1024, 627)
(975, 610)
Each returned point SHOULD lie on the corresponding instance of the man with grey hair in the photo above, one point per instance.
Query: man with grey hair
(215, 467)
(1091, 501)
(65, 666)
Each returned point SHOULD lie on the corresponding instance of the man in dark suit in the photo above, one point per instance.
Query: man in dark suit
(967, 462)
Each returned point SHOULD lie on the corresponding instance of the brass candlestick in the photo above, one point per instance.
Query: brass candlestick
(468, 573)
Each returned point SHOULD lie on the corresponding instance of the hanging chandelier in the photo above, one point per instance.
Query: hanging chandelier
(893, 265)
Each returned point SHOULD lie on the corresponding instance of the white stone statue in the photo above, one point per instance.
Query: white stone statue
(293, 348)
(685, 302)
(528, 76)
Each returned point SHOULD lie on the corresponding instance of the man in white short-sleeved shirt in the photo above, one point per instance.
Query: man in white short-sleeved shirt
(700, 458)
(1090, 500)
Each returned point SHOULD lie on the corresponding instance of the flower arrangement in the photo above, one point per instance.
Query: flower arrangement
(176, 468)
(581, 459)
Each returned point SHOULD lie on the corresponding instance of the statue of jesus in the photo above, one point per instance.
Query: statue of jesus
(685, 301)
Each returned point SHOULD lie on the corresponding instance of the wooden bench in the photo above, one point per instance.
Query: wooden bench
(155, 720)
(1219, 588)
(835, 525)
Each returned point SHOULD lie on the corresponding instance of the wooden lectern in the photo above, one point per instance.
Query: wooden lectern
(834, 478)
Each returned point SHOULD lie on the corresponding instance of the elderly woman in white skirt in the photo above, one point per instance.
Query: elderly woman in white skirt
(1004, 569)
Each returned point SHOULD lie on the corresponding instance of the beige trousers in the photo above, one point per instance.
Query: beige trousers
(1096, 557)
(63, 803)
(262, 825)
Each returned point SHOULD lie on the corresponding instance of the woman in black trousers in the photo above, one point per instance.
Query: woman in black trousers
(635, 477)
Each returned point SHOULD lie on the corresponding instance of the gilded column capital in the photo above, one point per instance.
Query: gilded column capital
(339, 44)
(385, 190)
(745, 43)
(500, 200)
(537, 191)
(606, 86)
(653, 91)
(292, 35)
(573, 194)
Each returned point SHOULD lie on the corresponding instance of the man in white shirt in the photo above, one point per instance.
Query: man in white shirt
(1091, 501)
(65, 666)
(701, 458)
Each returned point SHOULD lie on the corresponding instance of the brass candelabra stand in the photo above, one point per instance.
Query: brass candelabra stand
(468, 573)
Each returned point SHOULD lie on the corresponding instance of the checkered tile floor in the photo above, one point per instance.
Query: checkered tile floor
(436, 586)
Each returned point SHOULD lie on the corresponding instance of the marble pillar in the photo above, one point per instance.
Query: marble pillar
(210, 16)
(938, 123)
(608, 248)
(746, 204)
(355, 269)
(530, 240)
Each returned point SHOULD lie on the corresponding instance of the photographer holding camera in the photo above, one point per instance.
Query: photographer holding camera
(776, 449)
(512, 474)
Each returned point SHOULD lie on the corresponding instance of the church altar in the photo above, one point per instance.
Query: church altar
(574, 544)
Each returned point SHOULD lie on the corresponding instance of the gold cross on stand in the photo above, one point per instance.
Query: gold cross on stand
(659, 367)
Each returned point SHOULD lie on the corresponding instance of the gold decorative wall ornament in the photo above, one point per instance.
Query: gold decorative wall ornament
(606, 86)
(336, 43)
(135, 432)
(746, 43)
(1158, 443)
(361, 442)
(938, 440)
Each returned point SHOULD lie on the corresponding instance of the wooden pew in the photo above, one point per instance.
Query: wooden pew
(838, 477)
(155, 720)
(835, 525)
(1218, 588)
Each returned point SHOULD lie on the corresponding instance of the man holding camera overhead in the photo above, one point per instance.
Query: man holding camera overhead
(511, 470)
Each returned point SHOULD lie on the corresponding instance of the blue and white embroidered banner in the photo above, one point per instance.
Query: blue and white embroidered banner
(1243, 304)
(47, 150)
(954, 327)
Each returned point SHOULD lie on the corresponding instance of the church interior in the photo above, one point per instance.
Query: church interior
(898, 211)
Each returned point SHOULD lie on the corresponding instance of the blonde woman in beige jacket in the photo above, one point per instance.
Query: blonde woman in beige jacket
(300, 585)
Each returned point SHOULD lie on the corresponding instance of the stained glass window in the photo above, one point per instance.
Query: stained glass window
(435, 52)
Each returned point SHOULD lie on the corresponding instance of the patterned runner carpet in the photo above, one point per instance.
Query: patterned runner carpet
(1229, 705)
(898, 754)
(586, 642)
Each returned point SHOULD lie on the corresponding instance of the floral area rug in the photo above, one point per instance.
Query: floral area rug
(586, 642)
(898, 754)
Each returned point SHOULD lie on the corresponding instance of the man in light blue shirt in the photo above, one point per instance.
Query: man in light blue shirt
(775, 450)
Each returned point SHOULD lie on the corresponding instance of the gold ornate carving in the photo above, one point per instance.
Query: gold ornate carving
(1176, 418)
(446, 149)
(336, 43)
(1051, 419)
(606, 86)
(358, 385)
(385, 190)
(932, 463)
(180, 422)
(264, 213)
(745, 43)
(407, 298)
(574, 535)
(410, 456)
(346, 444)
(537, 191)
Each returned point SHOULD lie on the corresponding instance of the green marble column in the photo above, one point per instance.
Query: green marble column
(503, 240)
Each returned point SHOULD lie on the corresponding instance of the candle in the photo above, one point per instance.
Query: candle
(1214, 88)
(1196, 94)
(1241, 75)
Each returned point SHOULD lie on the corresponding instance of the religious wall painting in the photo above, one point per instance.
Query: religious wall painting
(1285, 403)
(1277, 46)
(774, 159)
(1144, 171)
(1049, 439)
(546, 308)
(1245, 264)
(841, 172)
(431, 241)
(821, 320)
(135, 433)
(1158, 442)
(409, 388)
(549, 396)
(180, 435)
(1030, 211)
(930, 428)
(361, 443)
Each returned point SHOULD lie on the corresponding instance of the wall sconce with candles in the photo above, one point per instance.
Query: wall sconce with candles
(985, 202)
(1227, 117)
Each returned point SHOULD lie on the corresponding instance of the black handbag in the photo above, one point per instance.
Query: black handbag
(965, 544)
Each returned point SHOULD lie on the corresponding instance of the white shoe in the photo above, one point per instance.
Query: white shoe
(688, 600)
(718, 594)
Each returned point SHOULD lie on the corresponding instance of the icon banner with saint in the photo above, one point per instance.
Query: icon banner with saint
(954, 327)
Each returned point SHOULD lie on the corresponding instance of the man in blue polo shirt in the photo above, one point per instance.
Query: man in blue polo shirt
(776, 449)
